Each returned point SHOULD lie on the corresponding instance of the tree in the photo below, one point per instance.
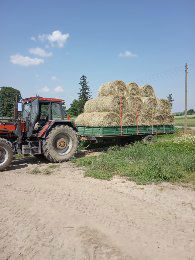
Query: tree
(8, 98)
(77, 105)
(170, 99)
(191, 112)
(74, 108)
(84, 93)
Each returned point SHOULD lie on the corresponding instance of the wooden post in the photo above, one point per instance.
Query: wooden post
(186, 98)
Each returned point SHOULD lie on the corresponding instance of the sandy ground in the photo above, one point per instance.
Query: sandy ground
(64, 215)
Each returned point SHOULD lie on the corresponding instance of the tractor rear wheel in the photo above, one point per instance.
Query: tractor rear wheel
(61, 144)
(6, 154)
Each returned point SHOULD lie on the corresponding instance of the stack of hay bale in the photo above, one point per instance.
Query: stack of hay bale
(139, 106)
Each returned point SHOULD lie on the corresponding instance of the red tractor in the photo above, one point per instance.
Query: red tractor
(42, 130)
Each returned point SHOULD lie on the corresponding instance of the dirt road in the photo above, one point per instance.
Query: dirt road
(63, 215)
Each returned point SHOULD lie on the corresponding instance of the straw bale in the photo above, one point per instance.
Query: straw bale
(134, 104)
(90, 106)
(105, 119)
(159, 119)
(103, 104)
(98, 119)
(81, 119)
(133, 89)
(163, 106)
(137, 119)
(169, 120)
(129, 119)
(147, 91)
(149, 104)
(113, 88)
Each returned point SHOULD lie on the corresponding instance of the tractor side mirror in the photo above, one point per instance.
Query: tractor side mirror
(19, 107)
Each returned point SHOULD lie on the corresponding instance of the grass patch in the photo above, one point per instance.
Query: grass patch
(44, 170)
(35, 171)
(170, 159)
(49, 169)
(180, 120)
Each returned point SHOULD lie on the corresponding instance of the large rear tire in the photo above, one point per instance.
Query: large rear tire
(61, 144)
(6, 154)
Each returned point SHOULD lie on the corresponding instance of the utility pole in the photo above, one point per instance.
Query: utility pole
(186, 97)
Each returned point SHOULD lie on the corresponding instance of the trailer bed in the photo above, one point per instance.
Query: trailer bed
(115, 131)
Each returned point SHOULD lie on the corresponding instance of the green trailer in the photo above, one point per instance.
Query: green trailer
(121, 132)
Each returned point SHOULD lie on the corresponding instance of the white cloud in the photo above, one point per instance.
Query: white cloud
(55, 38)
(58, 89)
(33, 38)
(25, 60)
(53, 78)
(58, 37)
(127, 54)
(45, 89)
(40, 52)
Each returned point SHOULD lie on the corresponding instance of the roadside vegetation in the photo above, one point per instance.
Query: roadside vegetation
(47, 170)
(170, 159)
(180, 120)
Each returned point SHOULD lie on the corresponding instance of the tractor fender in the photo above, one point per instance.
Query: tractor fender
(52, 123)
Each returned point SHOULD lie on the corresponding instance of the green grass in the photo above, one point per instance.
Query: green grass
(162, 161)
(179, 120)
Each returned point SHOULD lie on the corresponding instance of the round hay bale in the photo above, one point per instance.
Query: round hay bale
(129, 119)
(159, 119)
(133, 89)
(98, 119)
(113, 88)
(149, 104)
(169, 120)
(81, 119)
(103, 104)
(147, 91)
(134, 104)
(146, 119)
(163, 106)
(90, 106)
(104, 119)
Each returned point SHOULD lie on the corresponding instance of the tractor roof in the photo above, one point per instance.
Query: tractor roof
(57, 100)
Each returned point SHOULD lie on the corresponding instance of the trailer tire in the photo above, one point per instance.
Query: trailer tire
(149, 139)
(6, 154)
(61, 144)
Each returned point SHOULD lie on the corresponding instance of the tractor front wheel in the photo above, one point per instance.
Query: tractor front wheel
(6, 154)
(61, 144)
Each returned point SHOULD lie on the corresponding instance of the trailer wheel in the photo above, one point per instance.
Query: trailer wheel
(6, 154)
(61, 144)
(149, 139)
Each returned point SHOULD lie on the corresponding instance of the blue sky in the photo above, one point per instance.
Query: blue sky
(47, 45)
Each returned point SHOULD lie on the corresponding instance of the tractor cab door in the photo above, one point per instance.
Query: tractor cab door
(30, 115)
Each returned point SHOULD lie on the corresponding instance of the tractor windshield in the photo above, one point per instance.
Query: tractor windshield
(56, 111)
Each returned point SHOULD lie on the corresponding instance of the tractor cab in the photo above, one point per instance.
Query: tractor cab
(38, 111)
